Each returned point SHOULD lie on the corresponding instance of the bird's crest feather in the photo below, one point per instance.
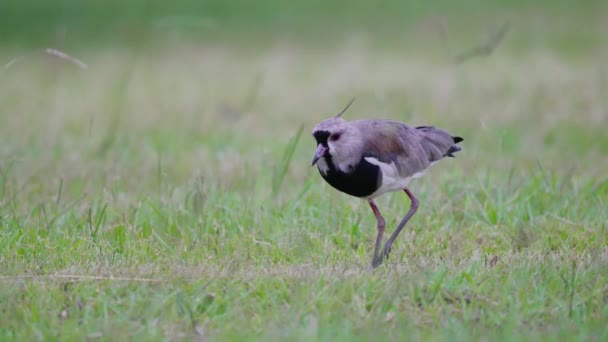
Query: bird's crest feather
(345, 108)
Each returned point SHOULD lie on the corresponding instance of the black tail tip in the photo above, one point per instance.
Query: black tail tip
(457, 139)
(452, 150)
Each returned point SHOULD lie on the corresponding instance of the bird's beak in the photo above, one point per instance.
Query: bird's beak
(320, 152)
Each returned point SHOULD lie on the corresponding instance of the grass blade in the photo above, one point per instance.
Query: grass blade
(281, 169)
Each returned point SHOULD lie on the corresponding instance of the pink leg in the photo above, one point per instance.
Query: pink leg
(408, 216)
(377, 259)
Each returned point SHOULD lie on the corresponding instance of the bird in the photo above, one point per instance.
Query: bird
(370, 157)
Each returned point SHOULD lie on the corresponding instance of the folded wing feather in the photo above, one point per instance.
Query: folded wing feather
(411, 149)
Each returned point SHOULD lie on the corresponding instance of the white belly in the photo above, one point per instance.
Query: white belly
(391, 180)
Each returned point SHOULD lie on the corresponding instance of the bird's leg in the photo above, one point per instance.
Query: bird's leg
(408, 216)
(377, 259)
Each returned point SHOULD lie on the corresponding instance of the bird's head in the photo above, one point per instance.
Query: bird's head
(338, 139)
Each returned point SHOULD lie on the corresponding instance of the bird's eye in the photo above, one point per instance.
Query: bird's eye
(335, 136)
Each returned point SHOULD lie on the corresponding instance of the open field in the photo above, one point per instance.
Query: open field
(164, 193)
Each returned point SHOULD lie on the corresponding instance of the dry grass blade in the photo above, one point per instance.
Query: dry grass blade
(485, 48)
(53, 53)
(281, 169)
(75, 277)
(65, 56)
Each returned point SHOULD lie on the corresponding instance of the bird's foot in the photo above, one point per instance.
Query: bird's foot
(379, 258)
(377, 261)
(387, 250)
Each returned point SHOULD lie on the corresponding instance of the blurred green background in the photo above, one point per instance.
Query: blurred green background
(565, 23)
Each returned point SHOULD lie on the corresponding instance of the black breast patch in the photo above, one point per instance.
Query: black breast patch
(363, 181)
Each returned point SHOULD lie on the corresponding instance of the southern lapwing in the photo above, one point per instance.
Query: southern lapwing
(368, 158)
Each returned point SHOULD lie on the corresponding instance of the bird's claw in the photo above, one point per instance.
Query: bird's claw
(379, 258)
(387, 251)
(377, 261)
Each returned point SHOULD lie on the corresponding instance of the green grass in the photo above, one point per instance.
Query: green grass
(166, 192)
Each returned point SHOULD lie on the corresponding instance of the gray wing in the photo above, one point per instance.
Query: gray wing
(438, 143)
(412, 149)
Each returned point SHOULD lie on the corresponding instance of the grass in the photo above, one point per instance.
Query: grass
(166, 193)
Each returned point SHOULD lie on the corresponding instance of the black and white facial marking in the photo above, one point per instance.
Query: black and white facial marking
(322, 138)
(342, 142)
(340, 161)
